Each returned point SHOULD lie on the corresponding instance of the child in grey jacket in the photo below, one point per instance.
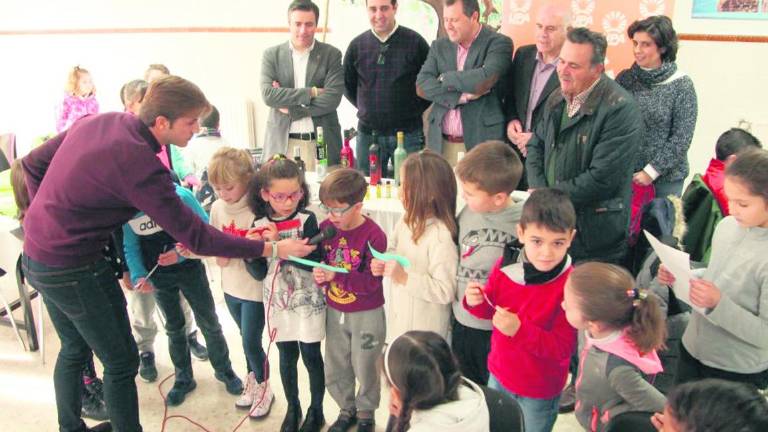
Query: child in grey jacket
(623, 327)
(727, 340)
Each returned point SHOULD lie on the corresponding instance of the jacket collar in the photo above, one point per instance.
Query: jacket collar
(590, 105)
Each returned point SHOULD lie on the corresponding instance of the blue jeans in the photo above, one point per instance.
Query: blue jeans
(189, 277)
(414, 141)
(249, 317)
(88, 311)
(539, 415)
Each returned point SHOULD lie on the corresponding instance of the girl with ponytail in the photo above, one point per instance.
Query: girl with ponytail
(623, 327)
(426, 389)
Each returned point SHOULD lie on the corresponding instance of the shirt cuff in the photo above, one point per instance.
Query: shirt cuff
(651, 171)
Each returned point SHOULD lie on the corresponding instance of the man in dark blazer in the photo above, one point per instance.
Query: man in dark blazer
(302, 81)
(533, 75)
(460, 77)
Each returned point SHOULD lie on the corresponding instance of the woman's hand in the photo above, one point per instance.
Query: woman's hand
(642, 178)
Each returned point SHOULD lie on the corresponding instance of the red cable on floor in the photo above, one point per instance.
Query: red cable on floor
(272, 335)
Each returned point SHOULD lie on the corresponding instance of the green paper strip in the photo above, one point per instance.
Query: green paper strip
(311, 263)
(403, 261)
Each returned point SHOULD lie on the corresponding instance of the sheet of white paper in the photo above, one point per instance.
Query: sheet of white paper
(679, 264)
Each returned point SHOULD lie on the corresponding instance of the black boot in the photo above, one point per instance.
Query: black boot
(292, 418)
(314, 421)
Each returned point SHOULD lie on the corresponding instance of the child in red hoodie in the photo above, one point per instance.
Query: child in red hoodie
(532, 342)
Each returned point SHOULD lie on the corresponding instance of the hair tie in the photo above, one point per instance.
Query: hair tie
(637, 295)
(387, 349)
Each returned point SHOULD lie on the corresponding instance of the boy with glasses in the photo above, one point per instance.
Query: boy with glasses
(355, 323)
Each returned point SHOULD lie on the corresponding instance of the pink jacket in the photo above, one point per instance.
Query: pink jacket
(74, 108)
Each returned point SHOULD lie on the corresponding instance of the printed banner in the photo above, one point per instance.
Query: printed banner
(610, 17)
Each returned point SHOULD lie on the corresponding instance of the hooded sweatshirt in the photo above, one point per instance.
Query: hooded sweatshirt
(469, 413)
(614, 378)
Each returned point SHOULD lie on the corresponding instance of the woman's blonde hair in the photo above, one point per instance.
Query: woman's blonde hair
(74, 78)
(230, 165)
(429, 191)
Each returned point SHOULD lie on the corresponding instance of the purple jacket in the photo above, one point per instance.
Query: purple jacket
(107, 170)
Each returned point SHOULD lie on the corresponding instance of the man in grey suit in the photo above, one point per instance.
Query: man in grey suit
(532, 77)
(460, 78)
(302, 81)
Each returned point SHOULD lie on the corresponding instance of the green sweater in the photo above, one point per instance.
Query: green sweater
(734, 335)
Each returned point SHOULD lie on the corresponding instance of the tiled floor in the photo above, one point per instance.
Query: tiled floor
(27, 398)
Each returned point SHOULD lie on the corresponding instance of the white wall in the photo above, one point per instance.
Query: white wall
(730, 78)
(225, 65)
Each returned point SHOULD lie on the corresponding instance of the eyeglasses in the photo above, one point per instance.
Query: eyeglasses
(382, 50)
(338, 212)
(282, 197)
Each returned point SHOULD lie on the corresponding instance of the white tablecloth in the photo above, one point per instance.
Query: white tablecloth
(384, 211)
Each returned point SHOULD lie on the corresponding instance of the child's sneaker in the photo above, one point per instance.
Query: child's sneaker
(246, 397)
(262, 400)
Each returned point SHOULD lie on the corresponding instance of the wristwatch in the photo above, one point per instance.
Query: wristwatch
(274, 249)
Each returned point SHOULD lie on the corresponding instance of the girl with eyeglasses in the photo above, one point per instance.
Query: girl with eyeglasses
(294, 304)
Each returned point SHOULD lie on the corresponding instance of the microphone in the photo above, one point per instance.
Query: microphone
(327, 233)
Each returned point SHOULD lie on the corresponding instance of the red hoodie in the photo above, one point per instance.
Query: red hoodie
(534, 362)
(714, 178)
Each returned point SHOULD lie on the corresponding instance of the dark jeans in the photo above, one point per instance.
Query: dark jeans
(313, 361)
(249, 317)
(88, 310)
(471, 347)
(690, 369)
(189, 277)
(414, 141)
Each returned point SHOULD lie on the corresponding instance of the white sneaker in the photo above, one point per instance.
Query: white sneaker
(262, 400)
(246, 398)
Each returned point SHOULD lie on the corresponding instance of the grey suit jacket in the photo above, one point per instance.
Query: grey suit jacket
(439, 81)
(323, 71)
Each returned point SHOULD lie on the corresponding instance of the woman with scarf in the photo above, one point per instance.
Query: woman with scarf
(668, 104)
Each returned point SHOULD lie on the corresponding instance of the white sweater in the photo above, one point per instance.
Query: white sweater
(424, 302)
(467, 414)
(235, 279)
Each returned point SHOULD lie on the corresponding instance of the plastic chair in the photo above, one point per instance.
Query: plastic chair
(35, 336)
(505, 413)
(631, 421)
